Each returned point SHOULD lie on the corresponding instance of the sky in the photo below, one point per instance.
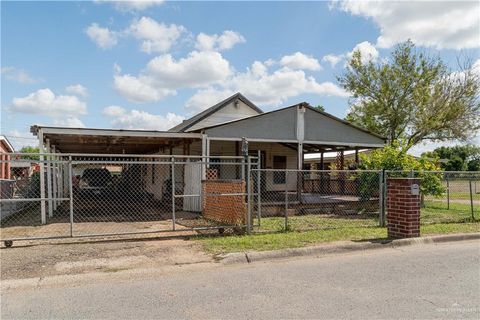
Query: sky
(152, 64)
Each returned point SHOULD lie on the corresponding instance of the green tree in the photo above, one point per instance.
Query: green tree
(320, 108)
(30, 149)
(457, 158)
(412, 97)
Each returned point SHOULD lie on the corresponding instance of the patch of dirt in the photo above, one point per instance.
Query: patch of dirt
(57, 258)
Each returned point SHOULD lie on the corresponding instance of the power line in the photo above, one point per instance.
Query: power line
(15, 137)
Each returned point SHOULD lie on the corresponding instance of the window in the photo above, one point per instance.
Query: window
(280, 163)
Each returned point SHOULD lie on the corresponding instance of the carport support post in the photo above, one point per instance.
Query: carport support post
(70, 191)
(54, 178)
(173, 193)
(49, 180)
(204, 156)
(42, 177)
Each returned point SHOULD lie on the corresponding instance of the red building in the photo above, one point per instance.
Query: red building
(5, 147)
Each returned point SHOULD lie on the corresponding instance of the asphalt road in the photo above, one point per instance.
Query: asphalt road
(424, 281)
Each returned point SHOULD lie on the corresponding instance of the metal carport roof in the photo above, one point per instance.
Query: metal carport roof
(89, 140)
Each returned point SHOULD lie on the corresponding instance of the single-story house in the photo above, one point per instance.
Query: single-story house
(281, 137)
(5, 147)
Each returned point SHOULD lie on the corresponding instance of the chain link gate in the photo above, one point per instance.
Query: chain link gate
(92, 195)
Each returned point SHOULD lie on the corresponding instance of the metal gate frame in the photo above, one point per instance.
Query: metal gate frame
(48, 161)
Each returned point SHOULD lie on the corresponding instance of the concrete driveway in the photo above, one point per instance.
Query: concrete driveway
(439, 281)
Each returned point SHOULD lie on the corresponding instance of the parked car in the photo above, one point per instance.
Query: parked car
(95, 182)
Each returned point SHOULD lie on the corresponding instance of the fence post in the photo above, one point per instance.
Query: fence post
(385, 193)
(259, 188)
(286, 201)
(471, 199)
(173, 193)
(70, 190)
(381, 210)
(448, 194)
(249, 193)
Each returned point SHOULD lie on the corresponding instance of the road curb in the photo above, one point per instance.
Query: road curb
(338, 247)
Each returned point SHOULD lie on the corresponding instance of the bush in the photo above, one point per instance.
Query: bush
(393, 158)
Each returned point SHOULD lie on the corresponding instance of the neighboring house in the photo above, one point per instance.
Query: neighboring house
(281, 137)
(5, 147)
(331, 160)
(6, 181)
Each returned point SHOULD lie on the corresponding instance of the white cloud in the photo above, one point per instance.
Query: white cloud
(132, 5)
(141, 120)
(206, 98)
(266, 88)
(276, 87)
(299, 60)
(215, 42)
(18, 75)
(103, 37)
(367, 51)
(77, 90)
(333, 59)
(45, 102)
(113, 111)
(69, 122)
(140, 89)
(164, 75)
(440, 24)
(156, 37)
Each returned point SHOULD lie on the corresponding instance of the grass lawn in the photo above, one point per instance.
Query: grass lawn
(437, 212)
(295, 239)
(313, 229)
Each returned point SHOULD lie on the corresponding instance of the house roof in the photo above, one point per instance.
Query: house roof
(182, 127)
(306, 105)
(7, 143)
(320, 128)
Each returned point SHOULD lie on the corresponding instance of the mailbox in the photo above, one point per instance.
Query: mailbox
(415, 189)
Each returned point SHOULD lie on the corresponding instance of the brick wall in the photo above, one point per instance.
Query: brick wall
(403, 208)
(230, 210)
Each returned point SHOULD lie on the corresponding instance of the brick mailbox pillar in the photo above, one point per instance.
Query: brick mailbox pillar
(403, 207)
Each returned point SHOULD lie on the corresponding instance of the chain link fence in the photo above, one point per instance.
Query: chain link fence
(317, 199)
(56, 196)
(446, 196)
(92, 195)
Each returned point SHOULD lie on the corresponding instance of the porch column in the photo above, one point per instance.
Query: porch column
(54, 179)
(42, 177)
(49, 181)
(300, 138)
(322, 188)
(204, 156)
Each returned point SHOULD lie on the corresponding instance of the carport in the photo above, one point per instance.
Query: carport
(58, 144)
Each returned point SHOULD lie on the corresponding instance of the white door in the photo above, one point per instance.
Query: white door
(193, 186)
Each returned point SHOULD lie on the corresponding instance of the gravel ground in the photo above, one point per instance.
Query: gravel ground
(26, 260)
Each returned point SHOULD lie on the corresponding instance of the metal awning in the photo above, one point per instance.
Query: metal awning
(88, 140)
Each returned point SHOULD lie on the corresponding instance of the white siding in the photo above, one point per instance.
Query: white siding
(228, 113)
